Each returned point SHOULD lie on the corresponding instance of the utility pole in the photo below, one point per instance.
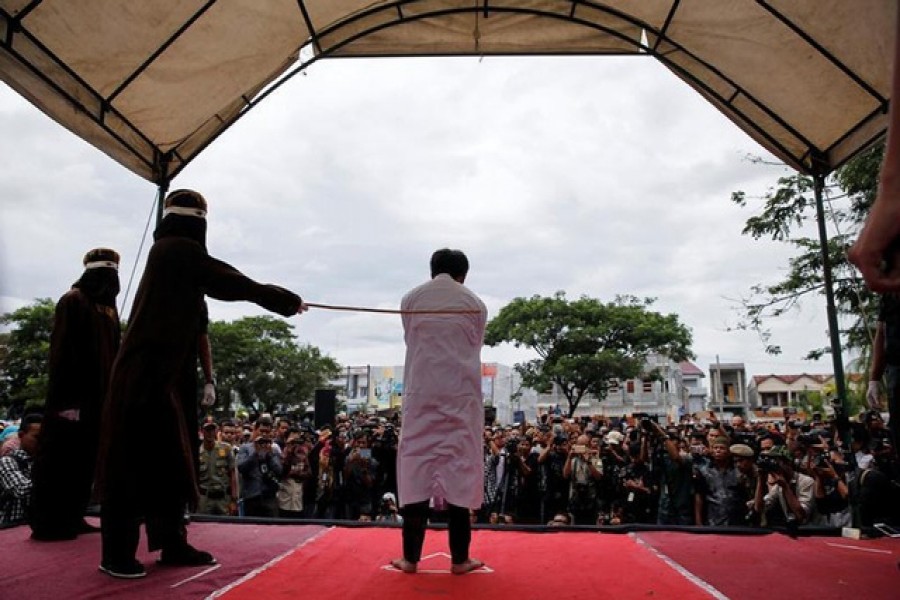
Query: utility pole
(717, 398)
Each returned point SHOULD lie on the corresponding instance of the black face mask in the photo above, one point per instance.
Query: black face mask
(100, 285)
(182, 226)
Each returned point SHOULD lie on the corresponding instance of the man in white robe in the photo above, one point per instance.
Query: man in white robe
(440, 454)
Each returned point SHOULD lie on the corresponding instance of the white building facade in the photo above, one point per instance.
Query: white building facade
(678, 391)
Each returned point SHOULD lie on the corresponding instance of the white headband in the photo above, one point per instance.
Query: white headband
(102, 263)
(185, 212)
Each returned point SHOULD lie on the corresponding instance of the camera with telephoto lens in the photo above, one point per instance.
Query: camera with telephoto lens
(560, 439)
(814, 437)
(512, 446)
(768, 464)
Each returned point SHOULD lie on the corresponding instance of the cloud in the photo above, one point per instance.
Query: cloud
(593, 175)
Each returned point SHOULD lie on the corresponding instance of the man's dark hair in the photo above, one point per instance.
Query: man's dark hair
(452, 262)
(29, 420)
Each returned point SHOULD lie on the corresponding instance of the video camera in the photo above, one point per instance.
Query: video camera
(880, 443)
(768, 464)
(821, 460)
(389, 437)
(646, 420)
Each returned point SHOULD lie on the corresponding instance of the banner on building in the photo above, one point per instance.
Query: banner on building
(386, 387)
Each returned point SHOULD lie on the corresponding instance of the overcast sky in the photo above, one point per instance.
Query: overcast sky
(594, 175)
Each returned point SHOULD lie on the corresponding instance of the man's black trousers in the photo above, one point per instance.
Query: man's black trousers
(415, 520)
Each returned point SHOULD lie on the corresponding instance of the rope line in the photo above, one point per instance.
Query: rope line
(393, 311)
(137, 257)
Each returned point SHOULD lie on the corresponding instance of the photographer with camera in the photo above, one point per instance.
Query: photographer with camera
(387, 510)
(296, 473)
(613, 460)
(528, 497)
(783, 496)
(832, 489)
(634, 490)
(582, 471)
(881, 439)
(494, 440)
(503, 509)
(700, 445)
(384, 451)
(260, 466)
(676, 498)
(359, 476)
(553, 460)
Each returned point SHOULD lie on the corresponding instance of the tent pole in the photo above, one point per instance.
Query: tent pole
(833, 331)
(163, 188)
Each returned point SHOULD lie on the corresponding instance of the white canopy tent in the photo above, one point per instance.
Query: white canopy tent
(151, 84)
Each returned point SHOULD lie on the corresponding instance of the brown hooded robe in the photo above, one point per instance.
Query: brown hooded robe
(146, 467)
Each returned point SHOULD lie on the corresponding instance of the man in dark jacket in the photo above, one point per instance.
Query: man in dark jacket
(83, 345)
(154, 481)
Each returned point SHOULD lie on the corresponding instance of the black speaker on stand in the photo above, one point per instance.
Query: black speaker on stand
(490, 415)
(326, 405)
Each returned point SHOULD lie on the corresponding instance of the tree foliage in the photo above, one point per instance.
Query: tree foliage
(790, 206)
(258, 362)
(582, 344)
(25, 355)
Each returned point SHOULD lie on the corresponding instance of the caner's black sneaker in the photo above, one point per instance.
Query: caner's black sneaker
(133, 570)
(85, 527)
(185, 556)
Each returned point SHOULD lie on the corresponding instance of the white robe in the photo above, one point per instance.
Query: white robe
(440, 452)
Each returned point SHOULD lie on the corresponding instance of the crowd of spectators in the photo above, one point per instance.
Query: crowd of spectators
(557, 471)
(285, 468)
(583, 471)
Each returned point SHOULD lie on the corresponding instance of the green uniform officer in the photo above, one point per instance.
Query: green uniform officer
(216, 474)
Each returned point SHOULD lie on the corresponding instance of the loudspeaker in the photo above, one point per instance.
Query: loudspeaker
(490, 415)
(326, 403)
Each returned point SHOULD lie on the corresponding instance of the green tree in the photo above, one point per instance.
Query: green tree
(582, 344)
(26, 353)
(788, 208)
(258, 362)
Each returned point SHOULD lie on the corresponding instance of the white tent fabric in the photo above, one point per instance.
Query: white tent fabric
(151, 84)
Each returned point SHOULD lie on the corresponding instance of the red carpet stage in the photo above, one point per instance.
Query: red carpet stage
(273, 561)
(353, 563)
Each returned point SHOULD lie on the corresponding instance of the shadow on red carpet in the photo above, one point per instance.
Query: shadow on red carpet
(68, 570)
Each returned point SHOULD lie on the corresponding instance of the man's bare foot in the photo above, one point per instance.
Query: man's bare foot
(466, 567)
(401, 564)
